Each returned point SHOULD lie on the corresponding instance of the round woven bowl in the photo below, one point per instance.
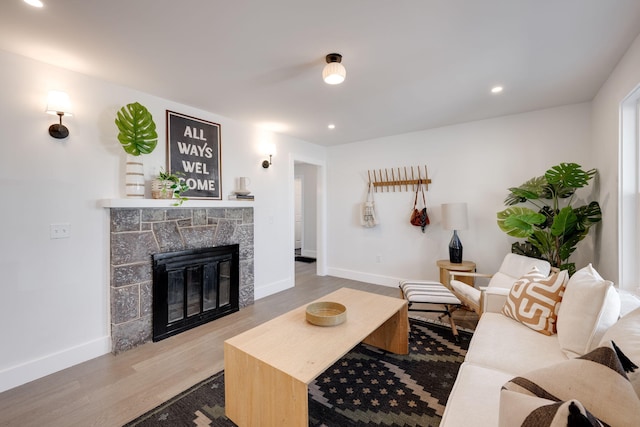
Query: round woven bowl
(326, 313)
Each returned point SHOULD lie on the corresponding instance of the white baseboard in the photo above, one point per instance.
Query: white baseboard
(309, 253)
(272, 288)
(38, 368)
(364, 277)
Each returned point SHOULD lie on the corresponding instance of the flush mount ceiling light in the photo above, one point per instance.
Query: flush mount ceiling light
(497, 89)
(334, 72)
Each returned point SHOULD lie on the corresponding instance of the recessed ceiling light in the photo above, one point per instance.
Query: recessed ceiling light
(331, 126)
(497, 89)
(34, 3)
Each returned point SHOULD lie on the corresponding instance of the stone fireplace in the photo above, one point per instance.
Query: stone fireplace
(138, 233)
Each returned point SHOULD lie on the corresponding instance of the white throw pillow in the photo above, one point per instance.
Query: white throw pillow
(626, 334)
(628, 302)
(590, 305)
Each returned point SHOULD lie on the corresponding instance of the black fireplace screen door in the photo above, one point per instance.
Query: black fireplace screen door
(193, 287)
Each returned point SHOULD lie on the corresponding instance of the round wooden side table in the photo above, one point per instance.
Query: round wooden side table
(447, 266)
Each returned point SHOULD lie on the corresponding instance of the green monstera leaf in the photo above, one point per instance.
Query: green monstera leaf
(564, 222)
(588, 215)
(544, 242)
(137, 129)
(569, 175)
(518, 221)
(533, 189)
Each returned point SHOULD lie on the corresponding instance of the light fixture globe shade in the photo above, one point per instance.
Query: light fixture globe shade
(334, 73)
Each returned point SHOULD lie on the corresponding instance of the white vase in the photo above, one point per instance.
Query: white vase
(134, 178)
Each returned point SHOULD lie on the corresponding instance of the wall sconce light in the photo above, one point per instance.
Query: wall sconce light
(58, 103)
(334, 72)
(269, 150)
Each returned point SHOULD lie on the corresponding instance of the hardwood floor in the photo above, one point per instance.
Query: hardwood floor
(112, 390)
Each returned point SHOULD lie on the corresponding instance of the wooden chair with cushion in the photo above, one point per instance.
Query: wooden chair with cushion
(513, 267)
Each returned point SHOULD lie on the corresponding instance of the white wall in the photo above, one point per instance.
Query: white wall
(53, 298)
(606, 153)
(473, 162)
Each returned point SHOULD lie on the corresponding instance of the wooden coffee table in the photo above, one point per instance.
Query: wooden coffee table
(267, 369)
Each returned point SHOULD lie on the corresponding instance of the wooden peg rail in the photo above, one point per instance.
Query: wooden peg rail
(402, 178)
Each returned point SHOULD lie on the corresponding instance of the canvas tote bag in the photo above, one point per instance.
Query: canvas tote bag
(368, 217)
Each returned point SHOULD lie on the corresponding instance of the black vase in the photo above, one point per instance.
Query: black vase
(455, 249)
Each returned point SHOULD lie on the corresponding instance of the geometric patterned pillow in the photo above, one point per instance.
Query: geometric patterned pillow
(522, 410)
(570, 413)
(534, 301)
(596, 380)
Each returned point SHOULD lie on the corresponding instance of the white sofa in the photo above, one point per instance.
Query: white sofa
(502, 348)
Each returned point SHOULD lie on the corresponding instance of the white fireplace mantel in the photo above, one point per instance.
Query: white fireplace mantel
(168, 203)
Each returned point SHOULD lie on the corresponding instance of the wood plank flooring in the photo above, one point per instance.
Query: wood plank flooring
(112, 390)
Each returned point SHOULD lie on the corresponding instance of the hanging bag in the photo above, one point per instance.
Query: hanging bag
(420, 218)
(368, 211)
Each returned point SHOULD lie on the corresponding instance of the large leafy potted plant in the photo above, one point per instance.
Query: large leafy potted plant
(554, 227)
(138, 136)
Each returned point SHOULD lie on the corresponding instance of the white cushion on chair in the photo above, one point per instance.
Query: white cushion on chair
(517, 266)
(466, 290)
(503, 281)
(427, 292)
(512, 268)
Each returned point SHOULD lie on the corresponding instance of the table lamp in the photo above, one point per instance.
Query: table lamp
(454, 217)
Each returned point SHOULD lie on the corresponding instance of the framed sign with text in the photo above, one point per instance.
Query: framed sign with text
(193, 153)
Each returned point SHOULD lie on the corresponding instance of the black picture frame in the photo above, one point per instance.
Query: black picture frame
(194, 150)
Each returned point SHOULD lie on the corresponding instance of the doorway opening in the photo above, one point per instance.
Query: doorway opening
(305, 212)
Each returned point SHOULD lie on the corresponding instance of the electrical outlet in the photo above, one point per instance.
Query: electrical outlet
(60, 231)
(378, 259)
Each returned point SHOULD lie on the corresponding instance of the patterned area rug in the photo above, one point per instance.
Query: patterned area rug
(367, 387)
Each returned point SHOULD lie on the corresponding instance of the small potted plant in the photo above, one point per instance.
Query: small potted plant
(169, 186)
